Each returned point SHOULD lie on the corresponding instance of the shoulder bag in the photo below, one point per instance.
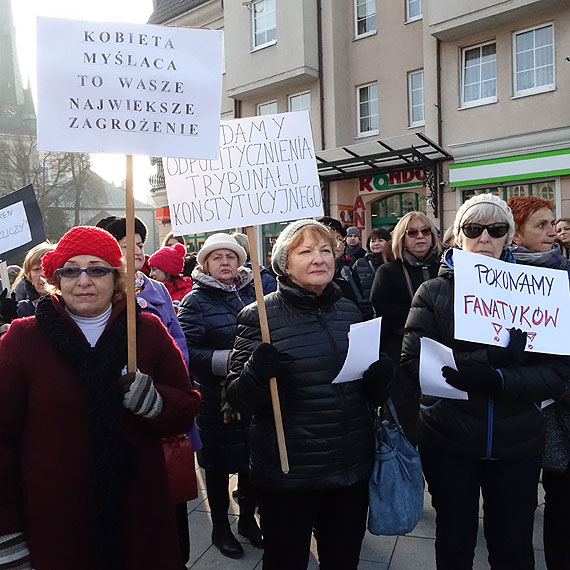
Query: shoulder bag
(396, 487)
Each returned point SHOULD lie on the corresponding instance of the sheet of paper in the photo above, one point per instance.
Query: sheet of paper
(546, 403)
(433, 357)
(363, 350)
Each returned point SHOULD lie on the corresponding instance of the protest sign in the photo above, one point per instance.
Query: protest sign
(266, 172)
(493, 296)
(129, 89)
(21, 224)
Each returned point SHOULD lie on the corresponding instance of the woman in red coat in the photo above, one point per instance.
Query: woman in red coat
(82, 475)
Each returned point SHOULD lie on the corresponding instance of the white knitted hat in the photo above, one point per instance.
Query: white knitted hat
(468, 208)
(280, 251)
(221, 241)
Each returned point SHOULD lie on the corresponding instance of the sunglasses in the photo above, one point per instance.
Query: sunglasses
(74, 272)
(496, 230)
(423, 231)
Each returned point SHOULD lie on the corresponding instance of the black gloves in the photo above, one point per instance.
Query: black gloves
(8, 307)
(377, 380)
(265, 361)
(500, 356)
(474, 379)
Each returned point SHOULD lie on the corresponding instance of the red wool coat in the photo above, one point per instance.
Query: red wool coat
(46, 465)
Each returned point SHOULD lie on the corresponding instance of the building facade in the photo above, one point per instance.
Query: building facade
(415, 104)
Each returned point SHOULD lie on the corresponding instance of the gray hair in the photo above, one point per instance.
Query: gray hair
(484, 209)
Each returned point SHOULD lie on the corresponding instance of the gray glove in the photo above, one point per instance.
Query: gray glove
(139, 395)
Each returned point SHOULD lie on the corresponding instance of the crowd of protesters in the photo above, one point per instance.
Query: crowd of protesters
(83, 480)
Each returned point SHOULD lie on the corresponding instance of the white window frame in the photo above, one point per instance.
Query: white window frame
(227, 116)
(411, 122)
(256, 47)
(266, 104)
(371, 31)
(358, 102)
(294, 96)
(418, 16)
(542, 88)
(483, 100)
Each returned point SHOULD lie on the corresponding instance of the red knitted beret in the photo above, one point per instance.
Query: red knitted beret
(82, 240)
(169, 259)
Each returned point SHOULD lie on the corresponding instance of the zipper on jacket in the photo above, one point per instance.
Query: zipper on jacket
(490, 414)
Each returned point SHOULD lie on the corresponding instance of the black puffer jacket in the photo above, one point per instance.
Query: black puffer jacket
(208, 317)
(510, 426)
(328, 427)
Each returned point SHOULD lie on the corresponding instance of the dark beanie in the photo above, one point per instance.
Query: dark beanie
(333, 224)
(118, 227)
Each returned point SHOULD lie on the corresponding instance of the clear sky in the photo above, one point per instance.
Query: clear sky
(25, 12)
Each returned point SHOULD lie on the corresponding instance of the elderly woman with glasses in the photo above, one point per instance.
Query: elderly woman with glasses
(82, 474)
(492, 442)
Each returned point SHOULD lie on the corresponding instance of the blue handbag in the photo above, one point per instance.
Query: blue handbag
(396, 486)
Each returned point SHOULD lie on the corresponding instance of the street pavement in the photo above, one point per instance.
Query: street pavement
(415, 551)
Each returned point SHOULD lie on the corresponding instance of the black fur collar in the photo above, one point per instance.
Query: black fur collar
(98, 369)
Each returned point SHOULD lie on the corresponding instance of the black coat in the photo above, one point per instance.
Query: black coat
(391, 299)
(328, 427)
(510, 426)
(208, 317)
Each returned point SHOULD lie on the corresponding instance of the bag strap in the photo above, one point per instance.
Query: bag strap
(408, 281)
(393, 413)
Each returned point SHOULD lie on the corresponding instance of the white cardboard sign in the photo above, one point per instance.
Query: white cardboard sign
(266, 172)
(128, 88)
(493, 296)
(14, 227)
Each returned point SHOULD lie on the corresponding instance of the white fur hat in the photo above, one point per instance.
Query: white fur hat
(221, 241)
(280, 251)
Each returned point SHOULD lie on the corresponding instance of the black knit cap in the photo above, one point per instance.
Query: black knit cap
(117, 226)
(333, 224)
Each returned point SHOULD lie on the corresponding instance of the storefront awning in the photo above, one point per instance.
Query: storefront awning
(410, 151)
(510, 168)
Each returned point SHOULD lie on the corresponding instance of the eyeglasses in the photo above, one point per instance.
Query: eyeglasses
(74, 272)
(423, 231)
(496, 230)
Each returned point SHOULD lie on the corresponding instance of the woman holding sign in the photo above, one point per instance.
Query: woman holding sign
(491, 442)
(328, 427)
(83, 481)
(535, 245)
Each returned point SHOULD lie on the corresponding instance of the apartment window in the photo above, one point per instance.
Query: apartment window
(368, 110)
(413, 10)
(364, 17)
(4, 161)
(227, 116)
(533, 53)
(269, 108)
(300, 102)
(264, 23)
(479, 77)
(416, 98)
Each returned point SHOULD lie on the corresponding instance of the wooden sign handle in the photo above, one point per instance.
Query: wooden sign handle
(131, 298)
(265, 337)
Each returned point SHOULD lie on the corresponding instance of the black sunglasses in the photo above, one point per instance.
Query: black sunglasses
(496, 230)
(75, 272)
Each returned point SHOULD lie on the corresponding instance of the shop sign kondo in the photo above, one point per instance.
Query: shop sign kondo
(391, 181)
